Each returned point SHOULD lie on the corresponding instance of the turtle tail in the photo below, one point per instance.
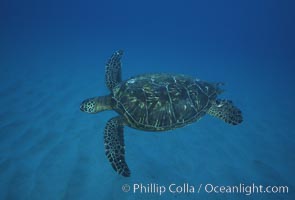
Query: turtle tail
(218, 86)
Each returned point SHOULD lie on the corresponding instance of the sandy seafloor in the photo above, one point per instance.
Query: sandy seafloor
(49, 149)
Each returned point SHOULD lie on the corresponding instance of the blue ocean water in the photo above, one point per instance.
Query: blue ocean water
(53, 55)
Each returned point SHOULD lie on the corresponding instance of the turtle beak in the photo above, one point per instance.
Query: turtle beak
(82, 106)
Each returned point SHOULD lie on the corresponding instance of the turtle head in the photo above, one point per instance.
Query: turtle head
(95, 105)
(88, 105)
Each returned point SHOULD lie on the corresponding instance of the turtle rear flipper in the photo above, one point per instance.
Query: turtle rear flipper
(113, 73)
(114, 145)
(225, 110)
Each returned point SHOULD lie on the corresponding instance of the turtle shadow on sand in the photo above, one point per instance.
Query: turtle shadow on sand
(154, 102)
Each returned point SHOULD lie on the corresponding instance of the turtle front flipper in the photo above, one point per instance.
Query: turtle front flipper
(225, 110)
(114, 145)
(113, 70)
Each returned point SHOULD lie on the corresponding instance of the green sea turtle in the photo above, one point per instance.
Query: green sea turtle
(154, 102)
